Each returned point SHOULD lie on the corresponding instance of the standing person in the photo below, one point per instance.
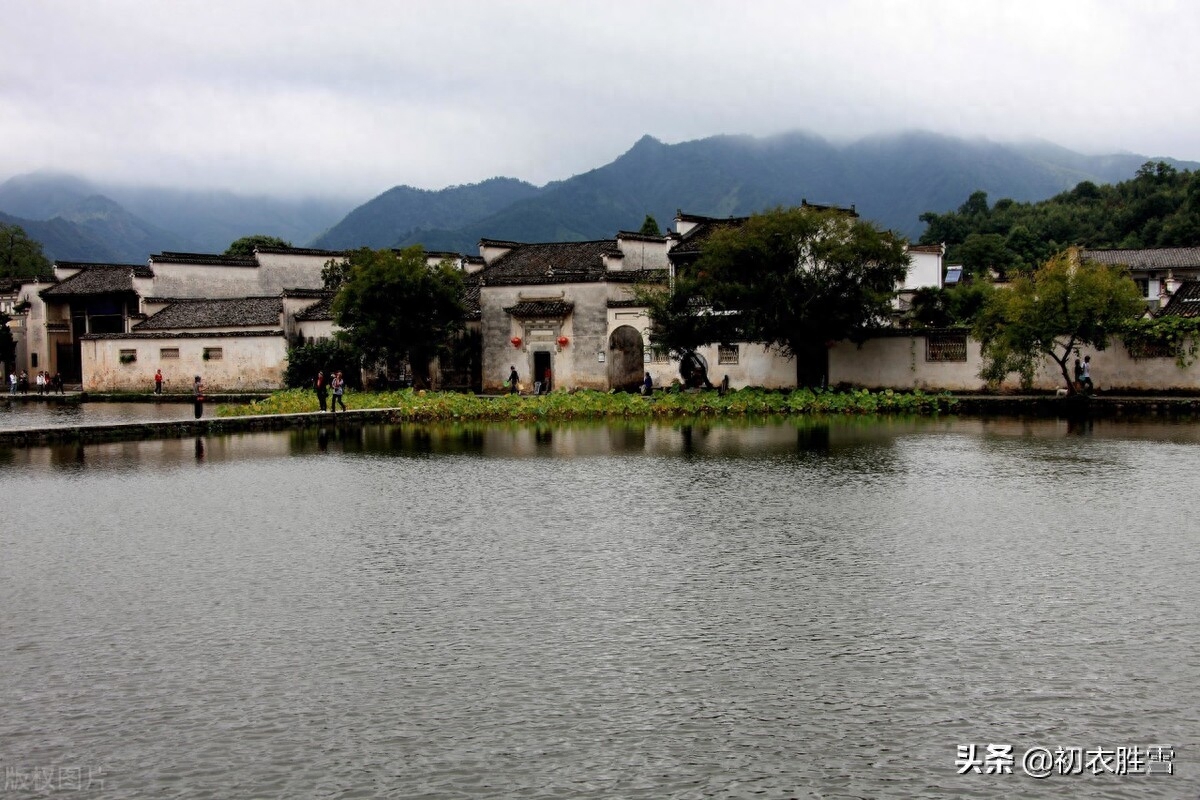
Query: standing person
(339, 387)
(39, 381)
(1086, 376)
(546, 381)
(158, 381)
(514, 380)
(322, 390)
(197, 397)
(58, 382)
(24, 382)
(12, 382)
(648, 385)
(1078, 375)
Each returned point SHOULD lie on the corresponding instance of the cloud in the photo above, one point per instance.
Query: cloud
(327, 98)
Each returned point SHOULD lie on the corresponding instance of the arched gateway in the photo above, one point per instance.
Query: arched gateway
(626, 359)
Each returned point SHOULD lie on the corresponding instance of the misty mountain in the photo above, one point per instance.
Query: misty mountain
(404, 211)
(891, 180)
(95, 222)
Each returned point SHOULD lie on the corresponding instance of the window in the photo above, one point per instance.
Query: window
(659, 356)
(945, 347)
(213, 353)
(33, 360)
(169, 352)
(727, 354)
(128, 356)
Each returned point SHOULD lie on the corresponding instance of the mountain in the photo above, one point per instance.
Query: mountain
(98, 222)
(891, 180)
(407, 212)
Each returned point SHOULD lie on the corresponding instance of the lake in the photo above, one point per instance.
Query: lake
(772, 609)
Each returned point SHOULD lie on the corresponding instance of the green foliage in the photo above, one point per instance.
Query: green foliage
(1175, 335)
(335, 272)
(650, 227)
(305, 361)
(244, 247)
(419, 406)
(941, 308)
(795, 278)
(394, 308)
(1063, 306)
(1159, 207)
(20, 256)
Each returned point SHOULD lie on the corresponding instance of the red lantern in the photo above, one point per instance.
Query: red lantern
(563, 341)
(516, 341)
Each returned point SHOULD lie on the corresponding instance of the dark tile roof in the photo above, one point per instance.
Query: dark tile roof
(229, 313)
(1163, 258)
(1184, 303)
(629, 303)
(641, 237)
(540, 308)
(139, 270)
(98, 279)
(554, 262)
(320, 311)
(692, 242)
(302, 293)
(203, 259)
(638, 276)
(299, 251)
(470, 299)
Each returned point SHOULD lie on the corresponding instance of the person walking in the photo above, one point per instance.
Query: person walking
(1085, 377)
(158, 381)
(339, 388)
(322, 390)
(514, 380)
(197, 397)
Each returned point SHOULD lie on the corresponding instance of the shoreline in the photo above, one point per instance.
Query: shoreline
(980, 406)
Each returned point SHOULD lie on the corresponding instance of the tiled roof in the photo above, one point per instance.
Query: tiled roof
(302, 293)
(470, 299)
(205, 259)
(1149, 258)
(1185, 302)
(320, 311)
(629, 303)
(230, 313)
(98, 279)
(540, 308)
(637, 236)
(926, 248)
(298, 251)
(139, 270)
(692, 242)
(555, 262)
(638, 276)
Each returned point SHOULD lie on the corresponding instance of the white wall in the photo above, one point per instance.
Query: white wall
(248, 363)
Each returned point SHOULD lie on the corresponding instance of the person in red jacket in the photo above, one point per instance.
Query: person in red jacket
(158, 381)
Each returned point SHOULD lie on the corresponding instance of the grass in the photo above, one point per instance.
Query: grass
(408, 405)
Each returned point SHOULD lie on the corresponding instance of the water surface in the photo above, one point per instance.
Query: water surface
(777, 610)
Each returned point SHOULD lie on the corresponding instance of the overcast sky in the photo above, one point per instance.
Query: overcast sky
(351, 98)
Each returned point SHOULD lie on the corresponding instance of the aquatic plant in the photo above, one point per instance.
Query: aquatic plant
(407, 405)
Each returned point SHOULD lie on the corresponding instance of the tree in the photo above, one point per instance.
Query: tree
(1063, 306)
(796, 278)
(650, 227)
(393, 307)
(20, 256)
(8, 345)
(244, 247)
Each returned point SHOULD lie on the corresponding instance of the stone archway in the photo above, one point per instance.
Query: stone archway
(626, 358)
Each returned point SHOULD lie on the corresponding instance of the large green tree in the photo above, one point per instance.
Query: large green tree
(20, 256)
(393, 307)
(1065, 305)
(244, 247)
(796, 278)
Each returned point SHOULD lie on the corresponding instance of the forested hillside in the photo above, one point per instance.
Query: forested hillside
(1159, 207)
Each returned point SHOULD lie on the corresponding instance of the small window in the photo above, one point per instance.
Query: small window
(128, 356)
(168, 352)
(727, 354)
(213, 353)
(946, 347)
(659, 356)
